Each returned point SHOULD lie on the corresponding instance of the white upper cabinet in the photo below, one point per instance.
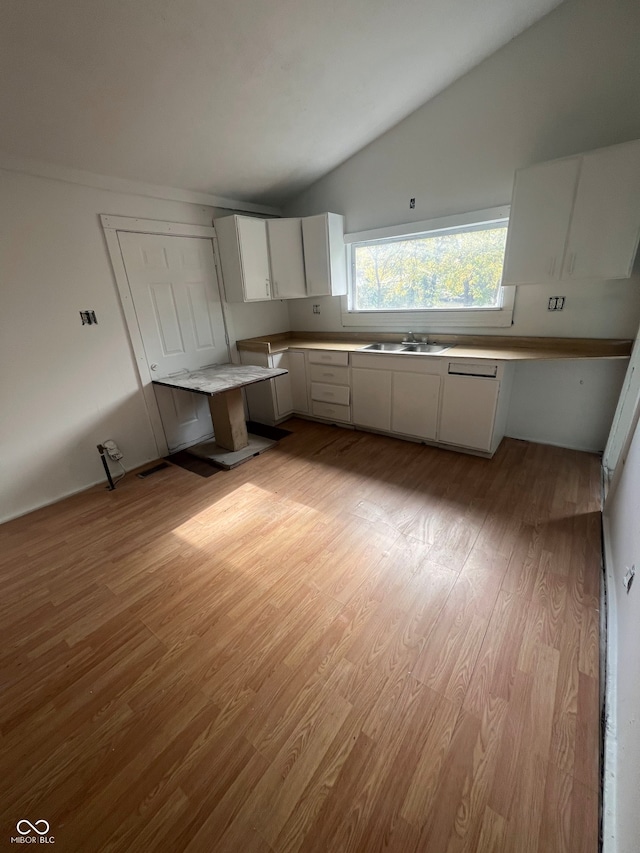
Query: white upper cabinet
(539, 221)
(576, 218)
(244, 256)
(324, 254)
(603, 237)
(287, 258)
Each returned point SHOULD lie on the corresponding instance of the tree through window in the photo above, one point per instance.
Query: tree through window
(450, 270)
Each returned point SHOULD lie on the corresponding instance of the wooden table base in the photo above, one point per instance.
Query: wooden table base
(227, 414)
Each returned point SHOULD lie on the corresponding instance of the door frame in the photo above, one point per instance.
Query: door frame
(110, 226)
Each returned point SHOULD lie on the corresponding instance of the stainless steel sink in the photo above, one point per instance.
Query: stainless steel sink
(406, 348)
(432, 348)
(386, 347)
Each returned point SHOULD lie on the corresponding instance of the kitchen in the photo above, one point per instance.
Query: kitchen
(565, 86)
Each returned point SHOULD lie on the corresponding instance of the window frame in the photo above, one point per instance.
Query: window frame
(488, 317)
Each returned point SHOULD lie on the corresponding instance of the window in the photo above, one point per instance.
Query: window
(447, 273)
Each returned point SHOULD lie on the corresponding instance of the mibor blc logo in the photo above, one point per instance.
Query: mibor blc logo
(33, 833)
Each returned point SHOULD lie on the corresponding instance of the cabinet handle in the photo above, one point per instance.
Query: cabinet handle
(267, 285)
(328, 375)
(552, 267)
(572, 262)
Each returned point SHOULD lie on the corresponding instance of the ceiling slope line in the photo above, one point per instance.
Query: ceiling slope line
(69, 175)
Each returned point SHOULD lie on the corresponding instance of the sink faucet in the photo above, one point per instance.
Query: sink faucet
(411, 338)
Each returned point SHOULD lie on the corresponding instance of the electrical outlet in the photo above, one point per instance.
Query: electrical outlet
(112, 450)
(316, 309)
(556, 303)
(628, 578)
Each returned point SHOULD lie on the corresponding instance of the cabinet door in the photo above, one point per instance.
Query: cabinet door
(282, 386)
(414, 404)
(539, 221)
(468, 411)
(371, 398)
(298, 377)
(287, 261)
(254, 255)
(324, 254)
(606, 219)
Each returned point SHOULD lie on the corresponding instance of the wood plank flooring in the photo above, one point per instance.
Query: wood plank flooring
(350, 643)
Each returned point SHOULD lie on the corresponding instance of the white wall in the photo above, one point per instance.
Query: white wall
(568, 84)
(565, 402)
(66, 387)
(622, 780)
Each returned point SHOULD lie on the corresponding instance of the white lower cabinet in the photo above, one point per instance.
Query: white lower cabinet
(330, 388)
(475, 404)
(468, 411)
(414, 404)
(395, 393)
(298, 376)
(273, 401)
(460, 403)
(371, 397)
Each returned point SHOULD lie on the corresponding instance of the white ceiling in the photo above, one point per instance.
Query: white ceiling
(243, 98)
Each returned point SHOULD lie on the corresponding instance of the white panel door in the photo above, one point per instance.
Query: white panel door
(175, 293)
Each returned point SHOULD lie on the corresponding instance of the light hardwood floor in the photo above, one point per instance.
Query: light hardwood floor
(350, 643)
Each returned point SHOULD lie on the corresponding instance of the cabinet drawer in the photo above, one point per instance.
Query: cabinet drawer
(333, 375)
(328, 410)
(325, 356)
(330, 393)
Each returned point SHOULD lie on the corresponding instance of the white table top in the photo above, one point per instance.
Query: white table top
(219, 378)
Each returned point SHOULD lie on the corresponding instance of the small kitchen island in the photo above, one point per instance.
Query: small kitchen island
(223, 384)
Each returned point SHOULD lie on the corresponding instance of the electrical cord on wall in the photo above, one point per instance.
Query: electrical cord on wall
(124, 471)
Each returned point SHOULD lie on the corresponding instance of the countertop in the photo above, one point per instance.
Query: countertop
(219, 378)
(459, 346)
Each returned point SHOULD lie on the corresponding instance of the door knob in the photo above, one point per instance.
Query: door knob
(153, 366)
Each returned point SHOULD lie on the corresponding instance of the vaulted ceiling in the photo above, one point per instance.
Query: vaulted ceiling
(248, 99)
